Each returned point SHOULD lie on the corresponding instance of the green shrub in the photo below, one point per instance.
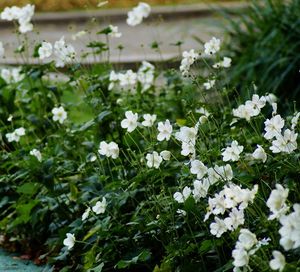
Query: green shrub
(265, 45)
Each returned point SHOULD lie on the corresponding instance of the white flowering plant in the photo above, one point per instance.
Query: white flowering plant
(106, 169)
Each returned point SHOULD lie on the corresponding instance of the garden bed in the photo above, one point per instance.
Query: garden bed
(147, 169)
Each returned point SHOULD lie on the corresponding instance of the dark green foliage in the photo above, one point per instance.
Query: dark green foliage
(265, 45)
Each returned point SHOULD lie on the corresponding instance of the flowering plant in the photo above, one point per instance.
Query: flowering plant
(152, 177)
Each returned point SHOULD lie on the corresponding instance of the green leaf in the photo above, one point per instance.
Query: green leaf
(142, 257)
(87, 125)
(29, 188)
(97, 268)
(74, 191)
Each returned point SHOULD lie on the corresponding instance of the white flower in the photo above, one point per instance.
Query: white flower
(271, 98)
(149, 120)
(22, 15)
(286, 143)
(144, 9)
(223, 172)
(10, 118)
(15, 135)
(27, 27)
(100, 206)
(10, 13)
(109, 149)
(276, 202)
(259, 154)
(218, 227)
(232, 153)
(225, 63)
(235, 219)
(114, 32)
(242, 251)
(181, 197)
(113, 78)
(153, 160)
(278, 262)
(273, 127)
(212, 47)
(186, 135)
(78, 35)
(12, 75)
(294, 119)
(45, 51)
(59, 114)
(290, 229)
(165, 131)
(209, 84)
(200, 188)
(166, 155)
(2, 50)
(240, 256)
(243, 112)
(188, 59)
(65, 53)
(145, 75)
(181, 212)
(128, 79)
(36, 153)
(213, 175)
(256, 104)
(247, 239)
(136, 16)
(187, 149)
(86, 214)
(69, 241)
(251, 108)
(198, 168)
(130, 123)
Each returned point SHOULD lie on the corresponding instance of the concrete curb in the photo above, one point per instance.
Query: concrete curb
(166, 12)
(128, 62)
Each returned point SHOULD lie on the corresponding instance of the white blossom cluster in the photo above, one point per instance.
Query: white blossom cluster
(154, 159)
(276, 202)
(114, 32)
(12, 75)
(187, 136)
(232, 152)
(22, 15)
(251, 108)
(109, 149)
(290, 229)
(244, 248)
(290, 223)
(213, 46)
(15, 135)
(129, 79)
(137, 14)
(232, 200)
(188, 59)
(63, 53)
(205, 178)
(285, 141)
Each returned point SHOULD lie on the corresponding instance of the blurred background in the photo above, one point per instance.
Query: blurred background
(63, 5)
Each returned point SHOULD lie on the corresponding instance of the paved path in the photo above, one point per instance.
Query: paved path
(9, 264)
(136, 40)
